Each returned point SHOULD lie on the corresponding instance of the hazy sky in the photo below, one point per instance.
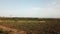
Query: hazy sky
(30, 8)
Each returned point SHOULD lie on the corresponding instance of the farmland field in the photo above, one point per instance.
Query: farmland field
(29, 25)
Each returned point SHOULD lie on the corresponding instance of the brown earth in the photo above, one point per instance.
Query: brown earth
(12, 31)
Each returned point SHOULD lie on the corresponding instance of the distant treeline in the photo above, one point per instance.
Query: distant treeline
(37, 19)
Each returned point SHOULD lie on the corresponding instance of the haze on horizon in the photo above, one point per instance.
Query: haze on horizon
(30, 8)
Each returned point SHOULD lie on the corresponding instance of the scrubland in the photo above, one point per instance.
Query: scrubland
(30, 26)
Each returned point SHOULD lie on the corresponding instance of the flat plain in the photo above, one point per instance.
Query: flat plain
(29, 25)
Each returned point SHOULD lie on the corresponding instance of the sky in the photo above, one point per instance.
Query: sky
(30, 8)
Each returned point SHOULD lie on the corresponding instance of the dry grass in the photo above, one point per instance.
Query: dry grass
(32, 26)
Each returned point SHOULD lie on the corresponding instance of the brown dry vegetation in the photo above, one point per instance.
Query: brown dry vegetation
(30, 25)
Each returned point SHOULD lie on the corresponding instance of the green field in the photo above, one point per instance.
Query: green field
(33, 25)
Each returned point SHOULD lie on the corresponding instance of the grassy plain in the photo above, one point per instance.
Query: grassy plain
(32, 25)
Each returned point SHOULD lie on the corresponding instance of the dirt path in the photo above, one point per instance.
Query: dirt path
(12, 31)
